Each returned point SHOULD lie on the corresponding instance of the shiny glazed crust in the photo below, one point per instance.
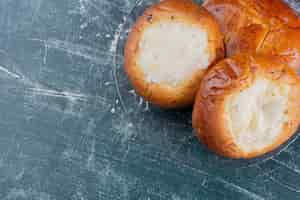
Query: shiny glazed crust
(184, 11)
(264, 26)
(229, 77)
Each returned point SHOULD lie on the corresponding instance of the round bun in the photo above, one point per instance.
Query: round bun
(247, 106)
(266, 27)
(169, 49)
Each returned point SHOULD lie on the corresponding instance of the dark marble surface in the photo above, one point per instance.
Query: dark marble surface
(71, 127)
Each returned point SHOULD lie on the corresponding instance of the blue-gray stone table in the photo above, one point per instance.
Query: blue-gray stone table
(71, 127)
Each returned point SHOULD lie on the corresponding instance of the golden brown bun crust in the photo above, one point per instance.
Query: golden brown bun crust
(230, 76)
(257, 25)
(179, 11)
(284, 43)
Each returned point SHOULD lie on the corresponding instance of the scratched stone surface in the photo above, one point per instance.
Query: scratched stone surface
(71, 127)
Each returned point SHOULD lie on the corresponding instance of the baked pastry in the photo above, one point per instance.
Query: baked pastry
(262, 26)
(247, 106)
(168, 50)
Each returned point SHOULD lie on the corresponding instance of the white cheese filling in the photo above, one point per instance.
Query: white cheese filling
(171, 52)
(257, 114)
